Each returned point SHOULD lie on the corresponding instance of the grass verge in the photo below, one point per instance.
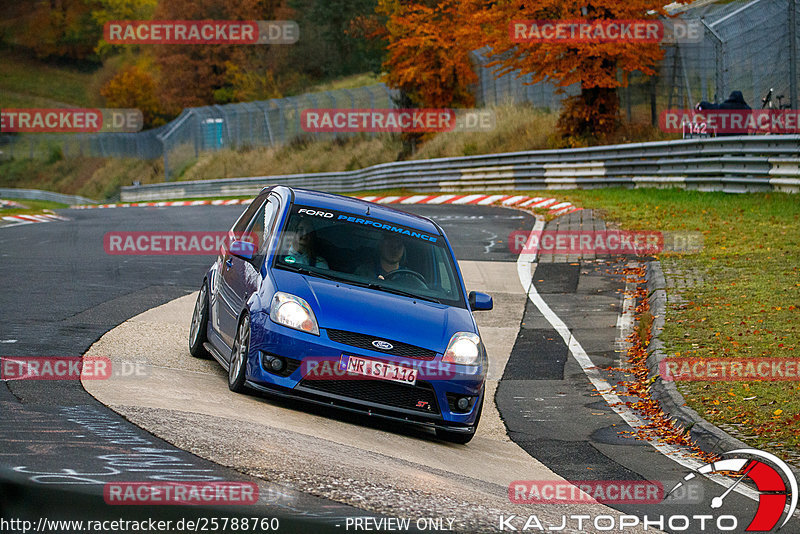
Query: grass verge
(738, 297)
(33, 207)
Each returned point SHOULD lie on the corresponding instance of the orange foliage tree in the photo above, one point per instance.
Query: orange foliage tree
(133, 87)
(193, 75)
(594, 65)
(61, 29)
(427, 54)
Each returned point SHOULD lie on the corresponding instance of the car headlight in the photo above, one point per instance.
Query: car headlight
(464, 349)
(293, 312)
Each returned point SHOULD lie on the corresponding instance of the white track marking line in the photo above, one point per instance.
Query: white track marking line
(625, 319)
(676, 454)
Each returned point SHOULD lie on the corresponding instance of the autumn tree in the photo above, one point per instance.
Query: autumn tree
(329, 47)
(61, 29)
(427, 55)
(134, 87)
(191, 75)
(593, 65)
(109, 10)
(246, 85)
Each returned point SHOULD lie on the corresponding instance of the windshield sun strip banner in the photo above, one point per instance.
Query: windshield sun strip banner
(364, 220)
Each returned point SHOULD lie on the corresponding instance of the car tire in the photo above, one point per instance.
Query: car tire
(198, 331)
(237, 366)
(460, 438)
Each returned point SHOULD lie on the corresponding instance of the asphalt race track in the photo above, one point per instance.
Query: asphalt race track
(316, 469)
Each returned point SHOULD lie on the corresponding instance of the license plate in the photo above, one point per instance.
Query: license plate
(382, 370)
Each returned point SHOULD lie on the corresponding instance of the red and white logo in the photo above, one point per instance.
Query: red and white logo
(774, 480)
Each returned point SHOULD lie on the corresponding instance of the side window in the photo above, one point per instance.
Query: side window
(261, 227)
(245, 218)
(270, 213)
(256, 227)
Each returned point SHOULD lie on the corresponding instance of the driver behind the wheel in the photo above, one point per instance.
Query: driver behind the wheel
(390, 254)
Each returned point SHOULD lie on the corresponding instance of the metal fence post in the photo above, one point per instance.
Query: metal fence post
(719, 80)
(795, 100)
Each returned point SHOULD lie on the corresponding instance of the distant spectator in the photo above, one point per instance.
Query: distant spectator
(734, 101)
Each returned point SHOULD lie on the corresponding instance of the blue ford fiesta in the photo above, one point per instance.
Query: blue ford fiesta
(343, 302)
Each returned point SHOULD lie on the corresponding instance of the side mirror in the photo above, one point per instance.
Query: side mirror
(243, 249)
(480, 301)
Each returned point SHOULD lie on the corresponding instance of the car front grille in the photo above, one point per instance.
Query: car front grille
(364, 341)
(419, 398)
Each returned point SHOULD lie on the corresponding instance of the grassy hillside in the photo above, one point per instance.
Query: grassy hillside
(25, 82)
(518, 127)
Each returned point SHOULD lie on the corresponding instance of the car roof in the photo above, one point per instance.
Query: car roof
(318, 199)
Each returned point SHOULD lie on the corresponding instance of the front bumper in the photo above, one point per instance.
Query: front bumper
(432, 401)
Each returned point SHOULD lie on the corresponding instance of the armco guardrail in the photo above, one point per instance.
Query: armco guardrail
(38, 194)
(730, 164)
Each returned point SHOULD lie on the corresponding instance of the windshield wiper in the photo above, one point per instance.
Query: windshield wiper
(401, 292)
(308, 272)
(368, 285)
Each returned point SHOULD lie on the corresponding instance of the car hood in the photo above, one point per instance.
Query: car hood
(341, 306)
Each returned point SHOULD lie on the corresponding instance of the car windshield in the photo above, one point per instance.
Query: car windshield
(369, 252)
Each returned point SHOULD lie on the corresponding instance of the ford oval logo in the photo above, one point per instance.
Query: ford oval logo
(383, 345)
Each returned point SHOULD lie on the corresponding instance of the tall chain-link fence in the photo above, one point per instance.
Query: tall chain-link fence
(748, 45)
(491, 90)
(203, 129)
(257, 124)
